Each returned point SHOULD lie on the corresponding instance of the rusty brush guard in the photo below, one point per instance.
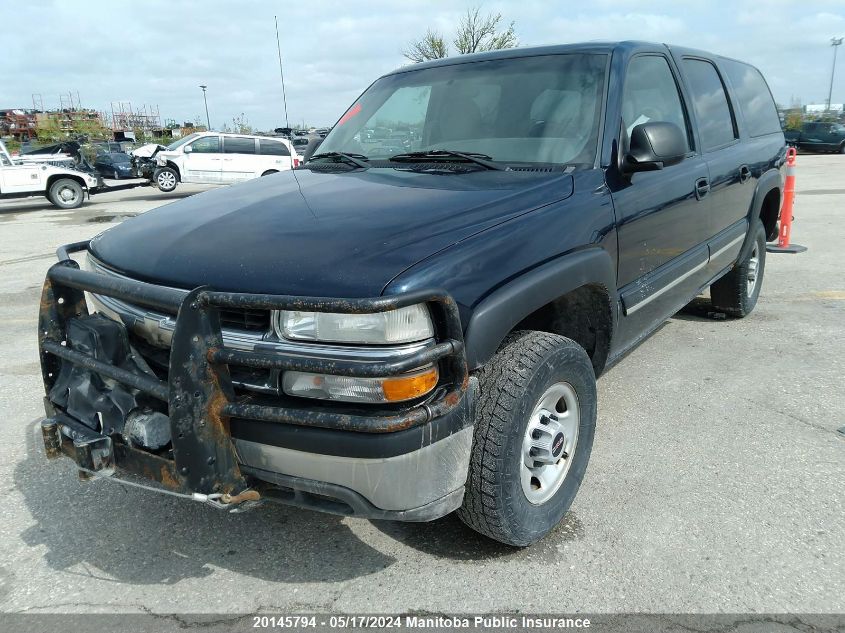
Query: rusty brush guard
(198, 395)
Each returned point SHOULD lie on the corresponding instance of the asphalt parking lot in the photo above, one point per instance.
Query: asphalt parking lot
(716, 483)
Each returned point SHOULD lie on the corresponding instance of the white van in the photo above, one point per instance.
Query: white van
(214, 158)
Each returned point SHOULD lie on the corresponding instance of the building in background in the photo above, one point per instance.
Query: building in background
(822, 108)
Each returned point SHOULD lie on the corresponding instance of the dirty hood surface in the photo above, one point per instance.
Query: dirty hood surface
(339, 234)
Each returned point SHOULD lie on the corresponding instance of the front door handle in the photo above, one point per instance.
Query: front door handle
(744, 173)
(702, 188)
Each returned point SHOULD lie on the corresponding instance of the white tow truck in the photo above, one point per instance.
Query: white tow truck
(64, 186)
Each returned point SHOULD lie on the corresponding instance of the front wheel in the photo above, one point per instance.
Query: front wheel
(533, 436)
(166, 179)
(737, 292)
(66, 194)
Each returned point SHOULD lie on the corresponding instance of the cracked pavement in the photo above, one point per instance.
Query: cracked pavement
(715, 485)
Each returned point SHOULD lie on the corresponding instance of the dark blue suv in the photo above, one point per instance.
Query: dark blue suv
(413, 321)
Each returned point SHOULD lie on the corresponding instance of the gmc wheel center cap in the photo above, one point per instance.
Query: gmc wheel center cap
(557, 445)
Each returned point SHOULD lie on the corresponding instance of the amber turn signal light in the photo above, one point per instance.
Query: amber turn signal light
(410, 386)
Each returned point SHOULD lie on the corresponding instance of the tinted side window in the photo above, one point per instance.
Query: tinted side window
(651, 94)
(755, 99)
(206, 145)
(233, 145)
(273, 148)
(710, 101)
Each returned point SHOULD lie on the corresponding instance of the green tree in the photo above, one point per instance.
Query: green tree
(47, 129)
(793, 120)
(431, 46)
(241, 125)
(476, 33)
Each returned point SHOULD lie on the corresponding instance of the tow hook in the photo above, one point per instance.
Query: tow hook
(241, 502)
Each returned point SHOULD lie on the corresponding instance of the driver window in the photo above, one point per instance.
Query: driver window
(651, 94)
(206, 145)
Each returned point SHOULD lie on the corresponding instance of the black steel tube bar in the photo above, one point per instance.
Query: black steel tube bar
(150, 385)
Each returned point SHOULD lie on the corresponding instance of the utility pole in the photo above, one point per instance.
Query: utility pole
(834, 42)
(207, 119)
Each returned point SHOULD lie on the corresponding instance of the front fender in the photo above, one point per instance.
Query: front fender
(497, 314)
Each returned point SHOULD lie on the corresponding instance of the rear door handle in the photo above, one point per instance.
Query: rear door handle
(744, 173)
(702, 188)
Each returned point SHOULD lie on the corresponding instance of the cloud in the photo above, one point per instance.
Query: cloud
(334, 49)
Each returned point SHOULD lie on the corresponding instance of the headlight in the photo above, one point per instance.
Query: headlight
(356, 389)
(403, 325)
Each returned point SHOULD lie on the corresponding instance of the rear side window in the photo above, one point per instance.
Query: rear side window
(206, 145)
(651, 94)
(754, 98)
(715, 120)
(233, 145)
(272, 148)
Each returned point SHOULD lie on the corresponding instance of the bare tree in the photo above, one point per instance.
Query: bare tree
(431, 46)
(476, 33)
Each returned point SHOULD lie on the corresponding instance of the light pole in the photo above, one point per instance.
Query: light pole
(207, 119)
(834, 42)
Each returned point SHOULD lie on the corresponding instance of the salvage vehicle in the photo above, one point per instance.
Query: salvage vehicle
(212, 158)
(114, 165)
(818, 137)
(54, 177)
(403, 336)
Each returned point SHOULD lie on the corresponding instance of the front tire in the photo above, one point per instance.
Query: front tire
(269, 172)
(533, 437)
(166, 179)
(737, 292)
(66, 194)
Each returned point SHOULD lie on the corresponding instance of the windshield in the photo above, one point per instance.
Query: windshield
(119, 157)
(542, 109)
(181, 142)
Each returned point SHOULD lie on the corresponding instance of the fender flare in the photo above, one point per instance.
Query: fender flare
(497, 314)
(767, 182)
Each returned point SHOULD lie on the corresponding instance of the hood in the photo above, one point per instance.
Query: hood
(319, 234)
(146, 151)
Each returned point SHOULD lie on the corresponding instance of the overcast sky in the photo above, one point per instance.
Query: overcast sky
(159, 51)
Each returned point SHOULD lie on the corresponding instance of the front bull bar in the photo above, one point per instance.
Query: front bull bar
(198, 391)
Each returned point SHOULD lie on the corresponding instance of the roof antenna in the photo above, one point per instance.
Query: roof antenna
(281, 72)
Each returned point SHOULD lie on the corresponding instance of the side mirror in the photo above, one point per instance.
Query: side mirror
(188, 149)
(654, 145)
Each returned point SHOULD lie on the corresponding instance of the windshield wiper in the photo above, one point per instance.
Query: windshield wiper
(445, 154)
(353, 159)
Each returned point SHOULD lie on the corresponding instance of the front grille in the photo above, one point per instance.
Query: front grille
(246, 319)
